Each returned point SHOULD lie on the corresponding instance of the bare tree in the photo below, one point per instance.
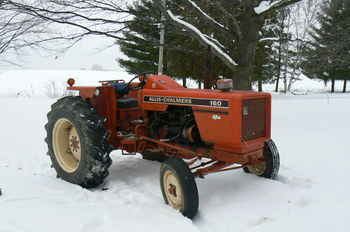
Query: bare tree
(80, 18)
(59, 23)
(235, 27)
(300, 19)
(16, 31)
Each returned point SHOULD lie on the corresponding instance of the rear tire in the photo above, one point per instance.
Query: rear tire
(179, 187)
(270, 167)
(77, 142)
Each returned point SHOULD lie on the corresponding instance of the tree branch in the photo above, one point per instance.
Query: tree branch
(206, 16)
(194, 32)
(230, 16)
(267, 6)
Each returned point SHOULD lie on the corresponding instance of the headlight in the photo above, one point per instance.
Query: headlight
(97, 92)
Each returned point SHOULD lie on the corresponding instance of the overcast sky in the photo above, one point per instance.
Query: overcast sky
(84, 55)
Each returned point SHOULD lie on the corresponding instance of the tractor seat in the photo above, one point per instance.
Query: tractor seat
(124, 103)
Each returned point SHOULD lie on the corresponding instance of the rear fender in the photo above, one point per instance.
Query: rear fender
(104, 100)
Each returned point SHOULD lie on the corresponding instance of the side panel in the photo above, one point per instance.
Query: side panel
(220, 127)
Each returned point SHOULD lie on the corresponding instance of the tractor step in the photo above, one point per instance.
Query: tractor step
(128, 153)
(129, 145)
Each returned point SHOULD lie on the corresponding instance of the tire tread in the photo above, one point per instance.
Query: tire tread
(94, 135)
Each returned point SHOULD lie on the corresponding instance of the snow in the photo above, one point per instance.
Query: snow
(202, 36)
(305, 85)
(40, 83)
(269, 39)
(265, 6)
(215, 41)
(205, 14)
(311, 193)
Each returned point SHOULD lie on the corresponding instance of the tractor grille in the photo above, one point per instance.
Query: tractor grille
(253, 119)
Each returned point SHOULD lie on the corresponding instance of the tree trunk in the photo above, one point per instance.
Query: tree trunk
(246, 52)
(208, 82)
(285, 88)
(260, 89)
(184, 82)
(333, 84)
(199, 84)
(250, 27)
(279, 60)
(279, 68)
(290, 84)
(277, 83)
(344, 86)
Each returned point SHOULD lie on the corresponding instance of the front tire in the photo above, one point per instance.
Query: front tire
(270, 167)
(178, 187)
(77, 142)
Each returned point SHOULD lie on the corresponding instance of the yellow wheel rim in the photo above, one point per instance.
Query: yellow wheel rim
(173, 190)
(257, 169)
(66, 145)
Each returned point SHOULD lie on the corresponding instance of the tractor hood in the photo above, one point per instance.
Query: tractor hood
(226, 119)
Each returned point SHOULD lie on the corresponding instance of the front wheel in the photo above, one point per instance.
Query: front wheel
(270, 166)
(178, 186)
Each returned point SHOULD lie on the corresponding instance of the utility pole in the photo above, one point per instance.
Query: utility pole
(161, 41)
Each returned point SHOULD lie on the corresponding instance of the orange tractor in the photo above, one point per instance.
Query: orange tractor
(192, 132)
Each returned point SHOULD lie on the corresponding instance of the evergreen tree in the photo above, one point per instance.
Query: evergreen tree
(264, 68)
(328, 57)
(184, 57)
(141, 38)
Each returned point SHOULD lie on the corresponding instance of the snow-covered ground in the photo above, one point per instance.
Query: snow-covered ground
(311, 194)
(53, 83)
(29, 83)
(49, 83)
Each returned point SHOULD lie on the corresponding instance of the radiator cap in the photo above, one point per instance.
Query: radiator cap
(224, 84)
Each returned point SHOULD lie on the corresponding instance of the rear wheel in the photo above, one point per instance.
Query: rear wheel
(77, 142)
(178, 187)
(270, 167)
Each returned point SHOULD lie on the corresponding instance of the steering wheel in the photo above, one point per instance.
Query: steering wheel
(139, 86)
